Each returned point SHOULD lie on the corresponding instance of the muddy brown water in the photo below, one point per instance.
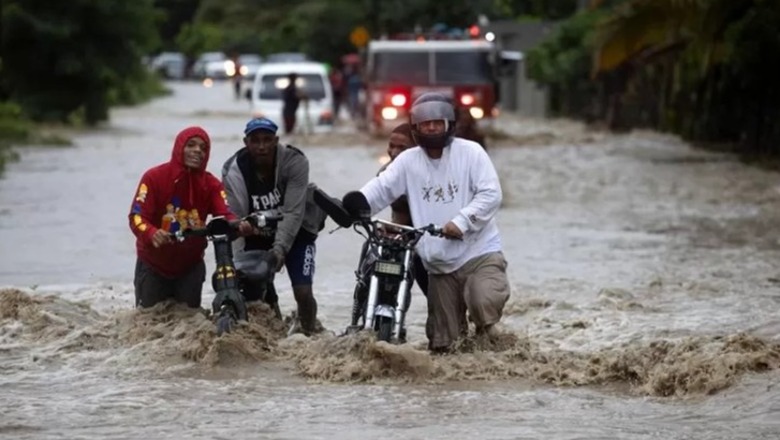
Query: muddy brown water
(645, 300)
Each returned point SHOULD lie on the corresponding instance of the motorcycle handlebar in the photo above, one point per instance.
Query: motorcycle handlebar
(414, 233)
(260, 219)
(220, 226)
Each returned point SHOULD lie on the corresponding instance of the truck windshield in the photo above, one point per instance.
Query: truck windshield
(414, 68)
(462, 67)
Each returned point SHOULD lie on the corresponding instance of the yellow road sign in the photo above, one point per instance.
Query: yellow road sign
(359, 36)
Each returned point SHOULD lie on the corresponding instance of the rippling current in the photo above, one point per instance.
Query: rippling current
(645, 296)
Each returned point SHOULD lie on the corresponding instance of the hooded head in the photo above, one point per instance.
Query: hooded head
(191, 149)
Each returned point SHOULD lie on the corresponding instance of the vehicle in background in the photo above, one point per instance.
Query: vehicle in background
(287, 57)
(169, 65)
(211, 65)
(248, 64)
(315, 114)
(398, 71)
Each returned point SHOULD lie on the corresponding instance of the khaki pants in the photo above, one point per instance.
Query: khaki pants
(480, 288)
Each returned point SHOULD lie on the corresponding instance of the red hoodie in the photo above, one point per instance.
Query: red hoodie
(171, 197)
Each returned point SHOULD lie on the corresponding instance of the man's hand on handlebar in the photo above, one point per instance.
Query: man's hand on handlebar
(161, 238)
(451, 231)
(389, 232)
(246, 229)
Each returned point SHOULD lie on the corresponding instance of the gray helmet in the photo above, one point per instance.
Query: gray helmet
(432, 106)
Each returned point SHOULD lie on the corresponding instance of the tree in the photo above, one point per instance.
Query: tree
(60, 57)
(704, 69)
(173, 15)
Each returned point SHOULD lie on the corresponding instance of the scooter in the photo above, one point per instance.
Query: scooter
(384, 275)
(229, 306)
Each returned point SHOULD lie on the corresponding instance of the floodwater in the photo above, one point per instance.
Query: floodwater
(645, 300)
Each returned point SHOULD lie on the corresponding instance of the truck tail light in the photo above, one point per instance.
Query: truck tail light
(467, 99)
(398, 100)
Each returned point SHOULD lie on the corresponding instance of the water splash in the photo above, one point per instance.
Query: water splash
(171, 338)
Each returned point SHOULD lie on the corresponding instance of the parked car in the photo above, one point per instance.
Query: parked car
(249, 63)
(211, 65)
(171, 65)
(315, 114)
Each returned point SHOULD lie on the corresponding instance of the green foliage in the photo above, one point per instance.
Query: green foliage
(172, 15)
(707, 70)
(319, 28)
(60, 57)
(197, 38)
(563, 62)
(542, 9)
(566, 55)
(13, 126)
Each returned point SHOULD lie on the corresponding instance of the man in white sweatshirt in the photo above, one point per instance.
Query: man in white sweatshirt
(450, 182)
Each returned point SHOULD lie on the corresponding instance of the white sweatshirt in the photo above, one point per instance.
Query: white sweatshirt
(462, 186)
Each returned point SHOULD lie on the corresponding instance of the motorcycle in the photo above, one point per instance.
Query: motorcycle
(229, 305)
(384, 275)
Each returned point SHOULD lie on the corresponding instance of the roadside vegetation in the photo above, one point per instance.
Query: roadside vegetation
(706, 70)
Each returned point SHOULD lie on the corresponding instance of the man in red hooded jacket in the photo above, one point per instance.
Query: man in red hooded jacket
(175, 196)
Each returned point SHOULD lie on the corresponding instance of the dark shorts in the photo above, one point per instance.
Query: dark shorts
(152, 288)
(300, 260)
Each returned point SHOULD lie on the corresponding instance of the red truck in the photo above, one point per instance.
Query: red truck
(398, 71)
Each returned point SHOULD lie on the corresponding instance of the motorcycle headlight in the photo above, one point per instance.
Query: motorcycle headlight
(387, 268)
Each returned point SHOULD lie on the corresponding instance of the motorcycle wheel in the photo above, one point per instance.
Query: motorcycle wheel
(224, 324)
(384, 328)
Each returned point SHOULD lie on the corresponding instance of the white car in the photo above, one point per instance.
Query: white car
(249, 64)
(314, 115)
(171, 65)
(211, 65)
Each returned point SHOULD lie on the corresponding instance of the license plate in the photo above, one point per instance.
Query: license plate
(387, 268)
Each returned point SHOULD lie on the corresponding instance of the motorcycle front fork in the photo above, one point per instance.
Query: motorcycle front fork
(368, 308)
(398, 310)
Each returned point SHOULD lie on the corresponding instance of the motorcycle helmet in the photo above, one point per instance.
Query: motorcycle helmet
(432, 106)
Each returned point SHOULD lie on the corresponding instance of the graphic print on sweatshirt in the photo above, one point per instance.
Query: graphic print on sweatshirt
(174, 219)
(178, 219)
(266, 197)
(437, 193)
